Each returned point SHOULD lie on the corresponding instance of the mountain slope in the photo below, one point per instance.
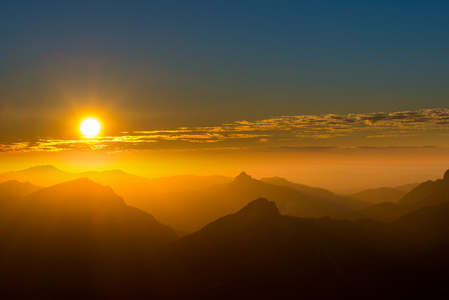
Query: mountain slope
(15, 188)
(376, 196)
(257, 253)
(77, 233)
(320, 194)
(85, 205)
(429, 193)
(189, 202)
(42, 175)
(428, 225)
(406, 187)
(191, 211)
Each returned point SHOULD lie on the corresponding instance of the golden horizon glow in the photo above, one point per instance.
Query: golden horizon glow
(90, 127)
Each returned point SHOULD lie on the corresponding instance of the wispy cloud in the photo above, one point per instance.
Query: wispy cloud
(276, 131)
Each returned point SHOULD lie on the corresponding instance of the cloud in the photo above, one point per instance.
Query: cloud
(275, 131)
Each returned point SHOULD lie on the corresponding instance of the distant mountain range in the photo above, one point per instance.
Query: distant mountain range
(80, 240)
(188, 203)
(376, 196)
(15, 188)
(429, 193)
(191, 210)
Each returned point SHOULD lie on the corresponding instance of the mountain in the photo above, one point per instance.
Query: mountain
(76, 234)
(429, 193)
(256, 253)
(319, 194)
(188, 203)
(376, 196)
(406, 187)
(428, 225)
(192, 210)
(170, 199)
(15, 188)
(42, 175)
(90, 206)
(385, 212)
(292, 199)
(49, 175)
(79, 240)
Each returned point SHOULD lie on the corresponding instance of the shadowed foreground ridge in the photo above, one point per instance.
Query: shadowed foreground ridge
(257, 253)
(269, 256)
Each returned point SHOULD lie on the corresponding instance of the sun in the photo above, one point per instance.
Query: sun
(90, 127)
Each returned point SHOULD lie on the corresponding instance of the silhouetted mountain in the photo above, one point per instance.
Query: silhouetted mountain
(319, 194)
(292, 199)
(258, 254)
(189, 202)
(192, 210)
(77, 233)
(42, 175)
(384, 212)
(49, 175)
(406, 187)
(173, 200)
(79, 240)
(259, 211)
(376, 196)
(115, 178)
(429, 193)
(86, 202)
(428, 225)
(15, 188)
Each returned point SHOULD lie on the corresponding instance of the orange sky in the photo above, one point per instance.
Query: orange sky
(300, 90)
(334, 168)
(334, 151)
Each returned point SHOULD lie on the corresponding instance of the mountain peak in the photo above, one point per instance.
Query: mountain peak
(260, 207)
(243, 176)
(277, 181)
(82, 191)
(16, 188)
(44, 168)
(446, 176)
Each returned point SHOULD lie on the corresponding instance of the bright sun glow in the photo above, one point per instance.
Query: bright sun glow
(90, 127)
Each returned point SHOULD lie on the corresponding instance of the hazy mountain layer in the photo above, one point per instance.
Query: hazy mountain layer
(429, 193)
(188, 203)
(376, 196)
(14, 188)
(192, 210)
(75, 239)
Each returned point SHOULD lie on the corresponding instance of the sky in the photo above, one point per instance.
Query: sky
(220, 79)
